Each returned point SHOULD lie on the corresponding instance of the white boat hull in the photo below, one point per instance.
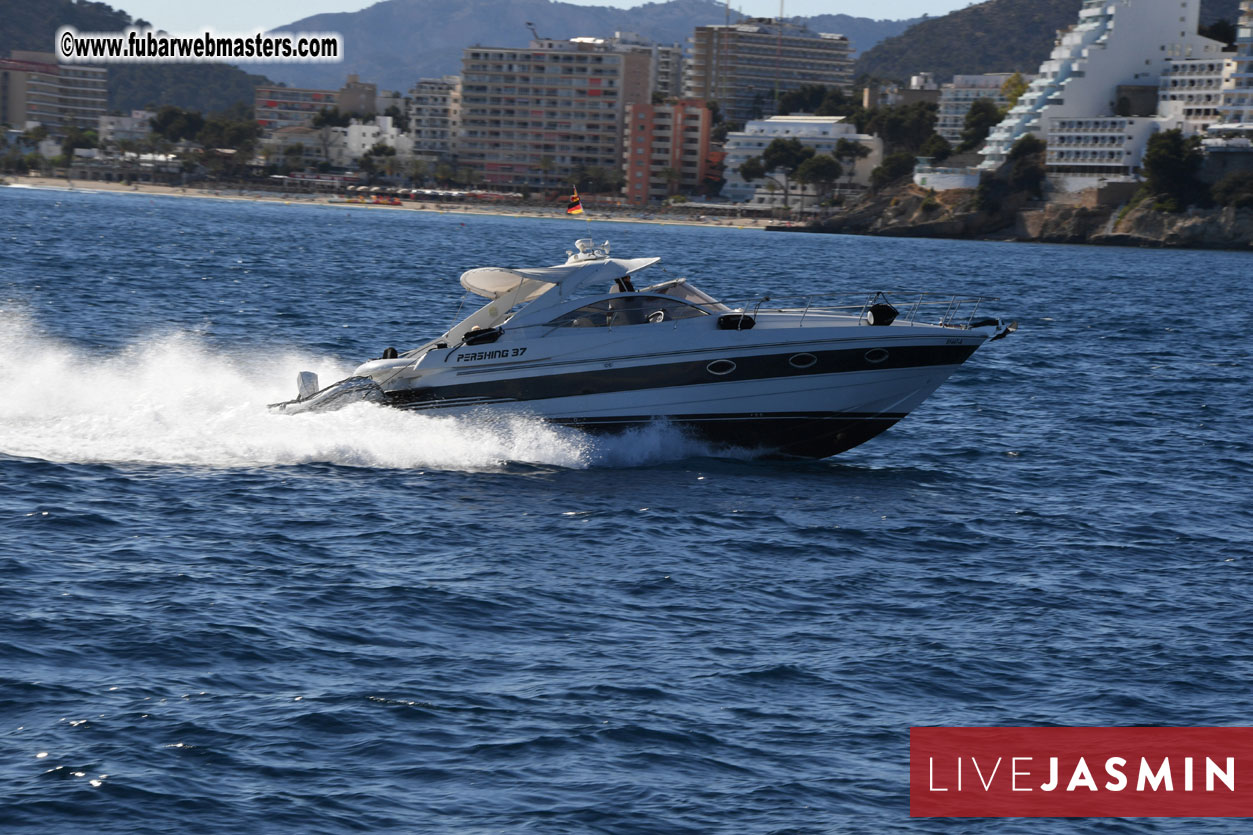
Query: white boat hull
(762, 401)
(799, 380)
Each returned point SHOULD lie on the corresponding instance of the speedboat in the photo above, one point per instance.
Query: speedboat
(587, 344)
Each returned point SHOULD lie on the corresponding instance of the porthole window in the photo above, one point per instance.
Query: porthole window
(720, 368)
(876, 355)
(802, 360)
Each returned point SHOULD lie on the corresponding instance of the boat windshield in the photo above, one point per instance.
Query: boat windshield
(678, 288)
(627, 309)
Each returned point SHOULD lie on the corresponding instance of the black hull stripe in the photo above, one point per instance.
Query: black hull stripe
(710, 353)
(669, 375)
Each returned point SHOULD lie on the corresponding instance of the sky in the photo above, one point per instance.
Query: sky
(240, 16)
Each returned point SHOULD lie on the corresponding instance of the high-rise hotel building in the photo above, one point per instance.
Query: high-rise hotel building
(35, 88)
(745, 66)
(537, 115)
(1080, 102)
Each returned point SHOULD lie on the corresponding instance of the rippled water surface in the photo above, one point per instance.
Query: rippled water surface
(218, 620)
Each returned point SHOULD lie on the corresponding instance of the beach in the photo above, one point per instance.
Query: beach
(592, 213)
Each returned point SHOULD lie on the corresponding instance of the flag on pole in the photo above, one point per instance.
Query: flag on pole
(575, 207)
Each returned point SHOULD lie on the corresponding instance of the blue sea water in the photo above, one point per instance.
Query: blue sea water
(218, 620)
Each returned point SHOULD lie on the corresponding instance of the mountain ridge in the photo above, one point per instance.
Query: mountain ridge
(204, 87)
(402, 32)
(992, 36)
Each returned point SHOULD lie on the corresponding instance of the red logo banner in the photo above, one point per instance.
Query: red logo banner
(1081, 772)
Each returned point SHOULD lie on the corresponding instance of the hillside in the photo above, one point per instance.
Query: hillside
(205, 87)
(393, 43)
(994, 36)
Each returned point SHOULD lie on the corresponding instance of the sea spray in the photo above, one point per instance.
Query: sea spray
(171, 399)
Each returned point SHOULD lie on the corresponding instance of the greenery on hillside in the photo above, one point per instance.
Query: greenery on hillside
(1172, 178)
(206, 87)
(907, 131)
(993, 36)
(1171, 164)
(903, 129)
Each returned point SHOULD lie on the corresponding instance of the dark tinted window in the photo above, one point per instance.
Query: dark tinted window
(627, 309)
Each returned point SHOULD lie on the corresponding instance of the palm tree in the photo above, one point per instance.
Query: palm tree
(847, 152)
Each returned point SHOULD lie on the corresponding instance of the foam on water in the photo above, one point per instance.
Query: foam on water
(170, 399)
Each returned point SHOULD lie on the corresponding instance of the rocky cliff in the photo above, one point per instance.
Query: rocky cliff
(1221, 228)
(911, 211)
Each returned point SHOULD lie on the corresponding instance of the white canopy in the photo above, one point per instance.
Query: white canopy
(495, 282)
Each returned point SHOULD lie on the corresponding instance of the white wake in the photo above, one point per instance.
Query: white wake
(172, 400)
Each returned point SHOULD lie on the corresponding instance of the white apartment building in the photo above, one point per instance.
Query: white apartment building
(341, 147)
(360, 137)
(1082, 148)
(1236, 108)
(1131, 42)
(822, 133)
(957, 96)
(300, 146)
(134, 127)
(1191, 92)
(435, 116)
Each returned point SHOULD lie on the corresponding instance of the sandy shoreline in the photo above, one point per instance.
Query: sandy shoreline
(591, 214)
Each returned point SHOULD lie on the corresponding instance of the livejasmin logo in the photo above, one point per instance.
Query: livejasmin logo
(1081, 772)
(1081, 777)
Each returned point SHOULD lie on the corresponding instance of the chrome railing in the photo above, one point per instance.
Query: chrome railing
(954, 311)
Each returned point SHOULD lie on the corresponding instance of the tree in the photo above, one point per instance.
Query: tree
(176, 124)
(1013, 88)
(223, 132)
(804, 99)
(1170, 166)
(847, 152)
(719, 133)
(817, 99)
(937, 148)
(78, 138)
(903, 128)
(330, 117)
(1027, 172)
(894, 167)
(982, 116)
(781, 155)
(822, 172)
(399, 118)
(1235, 189)
(418, 171)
